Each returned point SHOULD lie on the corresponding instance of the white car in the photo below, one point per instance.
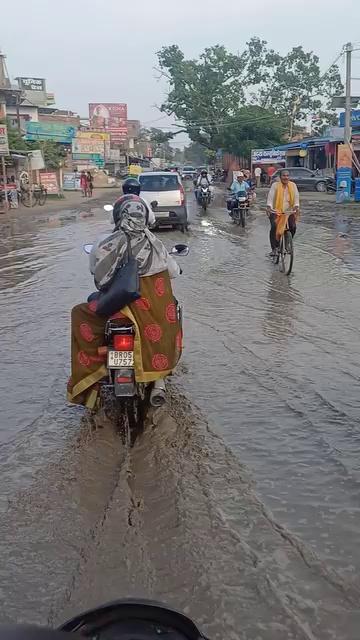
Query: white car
(166, 190)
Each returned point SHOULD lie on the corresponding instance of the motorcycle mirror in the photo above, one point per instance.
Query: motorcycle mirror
(180, 250)
(154, 204)
(108, 207)
(87, 248)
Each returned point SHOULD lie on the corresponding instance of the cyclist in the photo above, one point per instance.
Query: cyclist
(282, 197)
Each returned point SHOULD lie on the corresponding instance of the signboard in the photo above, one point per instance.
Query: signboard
(343, 185)
(34, 90)
(114, 155)
(93, 135)
(344, 156)
(69, 181)
(111, 117)
(36, 160)
(88, 145)
(355, 119)
(32, 84)
(4, 144)
(92, 159)
(49, 131)
(50, 182)
(267, 156)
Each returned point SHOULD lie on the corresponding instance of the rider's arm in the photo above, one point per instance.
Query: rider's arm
(173, 267)
(151, 216)
(271, 196)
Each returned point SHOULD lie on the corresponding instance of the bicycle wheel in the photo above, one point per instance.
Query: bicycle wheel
(26, 200)
(42, 197)
(286, 253)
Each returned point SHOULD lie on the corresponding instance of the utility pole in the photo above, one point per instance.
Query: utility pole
(348, 48)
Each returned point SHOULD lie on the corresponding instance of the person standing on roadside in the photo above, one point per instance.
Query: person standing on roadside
(282, 197)
(83, 184)
(90, 184)
(257, 174)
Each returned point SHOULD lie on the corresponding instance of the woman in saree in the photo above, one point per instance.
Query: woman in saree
(158, 336)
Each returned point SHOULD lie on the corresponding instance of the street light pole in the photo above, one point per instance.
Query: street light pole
(347, 133)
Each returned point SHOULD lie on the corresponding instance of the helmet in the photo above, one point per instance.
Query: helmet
(204, 172)
(131, 185)
(130, 202)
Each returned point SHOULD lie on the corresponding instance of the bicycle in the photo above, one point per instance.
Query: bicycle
(284, 252)
(32, 198)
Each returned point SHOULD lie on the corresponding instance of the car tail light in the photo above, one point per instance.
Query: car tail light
(123, 342)
(182, 195)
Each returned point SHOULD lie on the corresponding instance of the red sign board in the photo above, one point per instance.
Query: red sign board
(50, 182)
(111, 117)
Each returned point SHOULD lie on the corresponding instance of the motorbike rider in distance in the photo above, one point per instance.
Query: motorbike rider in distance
(238, 187)
(203, 180)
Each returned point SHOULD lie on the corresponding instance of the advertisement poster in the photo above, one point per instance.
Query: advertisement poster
(4, 145)
(110, 117)
(50, 182)
(49, 131)
(69, 181)
(343, 185)
(88, 145)
(344, 157)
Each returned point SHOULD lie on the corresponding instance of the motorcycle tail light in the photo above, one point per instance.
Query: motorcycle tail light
(124, 342)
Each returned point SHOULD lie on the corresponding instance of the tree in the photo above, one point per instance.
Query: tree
(257, 97)
(292, 85)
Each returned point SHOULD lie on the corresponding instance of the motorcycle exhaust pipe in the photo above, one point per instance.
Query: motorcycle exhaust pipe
(157, 395)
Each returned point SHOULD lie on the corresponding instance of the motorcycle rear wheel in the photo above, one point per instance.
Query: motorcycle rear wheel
(131, 414)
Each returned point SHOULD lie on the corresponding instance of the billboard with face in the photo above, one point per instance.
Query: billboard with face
(111, 117)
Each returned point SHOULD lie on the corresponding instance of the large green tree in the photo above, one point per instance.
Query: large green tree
(254, 98)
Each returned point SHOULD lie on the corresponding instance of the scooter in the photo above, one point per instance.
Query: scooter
(120, 393)
(128, 619)
(133, 619)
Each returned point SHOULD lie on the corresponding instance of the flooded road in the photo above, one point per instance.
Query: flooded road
(245, 515)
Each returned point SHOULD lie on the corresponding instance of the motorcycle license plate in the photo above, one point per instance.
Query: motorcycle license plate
(117, 359)
(162, 214)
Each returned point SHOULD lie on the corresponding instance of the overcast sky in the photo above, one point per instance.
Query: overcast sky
(104, 50)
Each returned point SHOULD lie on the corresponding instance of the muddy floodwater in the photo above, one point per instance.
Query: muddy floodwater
(240, 502)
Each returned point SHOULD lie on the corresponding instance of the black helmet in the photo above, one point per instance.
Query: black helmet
(131, 185)
(204, 172)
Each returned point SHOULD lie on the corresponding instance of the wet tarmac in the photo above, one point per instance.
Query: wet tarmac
(244, 512)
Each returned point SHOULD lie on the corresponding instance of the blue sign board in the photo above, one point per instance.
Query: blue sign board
(355, 119)
(343, 185)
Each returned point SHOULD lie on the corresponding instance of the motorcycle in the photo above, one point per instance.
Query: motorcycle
(204, 197)
(239, 212)
(126, 619)
(119, 393)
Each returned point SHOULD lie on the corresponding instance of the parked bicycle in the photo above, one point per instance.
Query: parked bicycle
(284, 253)
(31, 198)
